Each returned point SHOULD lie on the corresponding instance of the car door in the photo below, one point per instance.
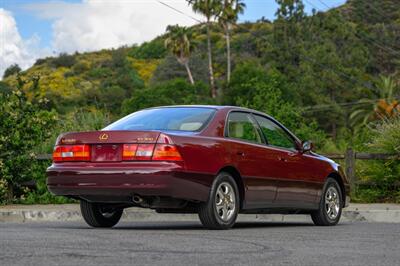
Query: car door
(251, 158)
(298, 183)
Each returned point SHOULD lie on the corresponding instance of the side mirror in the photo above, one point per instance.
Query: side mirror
(307, 146)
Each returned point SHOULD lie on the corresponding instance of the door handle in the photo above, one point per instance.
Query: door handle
(240, 153)
(282, 159)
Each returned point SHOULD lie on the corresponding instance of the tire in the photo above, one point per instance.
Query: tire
(330, 206)
(222, 207)
(100, 215)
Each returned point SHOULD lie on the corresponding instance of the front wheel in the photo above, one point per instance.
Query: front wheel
(330, 207)
(222, 207)
(100, 215)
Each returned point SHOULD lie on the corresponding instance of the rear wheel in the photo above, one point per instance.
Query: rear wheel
(100, 215)
(222, 207)
(330, 207)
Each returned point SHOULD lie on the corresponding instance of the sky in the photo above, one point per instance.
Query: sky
(32, 29)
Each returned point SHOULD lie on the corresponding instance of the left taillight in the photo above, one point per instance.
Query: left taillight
(67, 153)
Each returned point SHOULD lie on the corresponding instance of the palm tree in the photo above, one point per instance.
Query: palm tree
(208, 8)
(178, 43)
(386, 106)
(227, 17)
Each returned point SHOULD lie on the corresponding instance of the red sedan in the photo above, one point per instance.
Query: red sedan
(216, 161)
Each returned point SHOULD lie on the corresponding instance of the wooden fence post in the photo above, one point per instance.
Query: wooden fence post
(350, 159)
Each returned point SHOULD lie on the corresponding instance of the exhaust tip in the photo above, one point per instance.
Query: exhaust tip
(137, 199)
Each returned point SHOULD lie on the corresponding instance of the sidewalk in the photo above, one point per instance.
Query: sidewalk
(386, 213)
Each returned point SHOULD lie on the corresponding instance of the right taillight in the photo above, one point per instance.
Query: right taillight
(166, 152)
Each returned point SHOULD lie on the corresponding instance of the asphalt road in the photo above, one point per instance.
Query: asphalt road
(187, 243)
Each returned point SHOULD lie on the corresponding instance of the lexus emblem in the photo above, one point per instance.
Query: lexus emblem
(103, 136)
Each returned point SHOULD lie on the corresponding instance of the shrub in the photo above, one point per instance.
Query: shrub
(387, 136)
(112, 96)
(40, 61)
(387, 140)
(4, 88)
(11, 70)
(149, 50)
(380, 178)
(84, 119)
(23, 126)
(63, 60)
(99, 72)
(81, 67)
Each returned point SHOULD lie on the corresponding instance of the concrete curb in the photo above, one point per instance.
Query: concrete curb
(385, 213)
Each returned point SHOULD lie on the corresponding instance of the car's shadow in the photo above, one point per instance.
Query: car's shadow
(198, 226)
(190, 225)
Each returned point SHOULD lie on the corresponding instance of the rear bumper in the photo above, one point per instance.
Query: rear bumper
(125, 180)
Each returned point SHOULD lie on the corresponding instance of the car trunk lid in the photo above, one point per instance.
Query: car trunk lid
(108, 137)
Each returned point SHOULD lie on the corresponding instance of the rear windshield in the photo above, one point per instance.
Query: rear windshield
(171, 118)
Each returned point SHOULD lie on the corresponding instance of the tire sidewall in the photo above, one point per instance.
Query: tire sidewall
(93, 216)
(115, 216)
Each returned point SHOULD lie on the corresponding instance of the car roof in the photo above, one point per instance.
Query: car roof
(218, 107)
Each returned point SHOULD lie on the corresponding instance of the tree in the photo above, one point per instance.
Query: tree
(386, 106)
(290, 10)
(287, 34)
(227, 17)
(11, 70)
(208, 8)
(172, 92)
(253, 87)
(178, 43)
(374, 12)
(169, 68)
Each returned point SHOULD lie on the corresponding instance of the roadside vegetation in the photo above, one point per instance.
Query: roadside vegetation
(331, 77)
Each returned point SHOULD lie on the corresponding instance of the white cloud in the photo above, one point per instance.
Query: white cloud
(14, 49)
(97, 24)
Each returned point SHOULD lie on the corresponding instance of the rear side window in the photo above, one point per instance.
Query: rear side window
(242, 126)
(274, 134)
(169, 118)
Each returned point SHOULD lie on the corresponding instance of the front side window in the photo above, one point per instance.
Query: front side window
(274, 134)
(167, 118)
(242, 126)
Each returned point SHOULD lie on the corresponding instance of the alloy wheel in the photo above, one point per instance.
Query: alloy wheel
(225, 202)
(332, 203)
